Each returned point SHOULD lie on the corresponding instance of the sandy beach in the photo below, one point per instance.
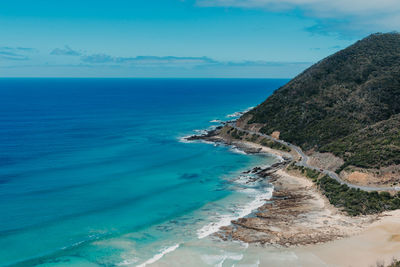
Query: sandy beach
(298, 215)
(299, 227)
(355, 241)
(316, 235)
(379, 242)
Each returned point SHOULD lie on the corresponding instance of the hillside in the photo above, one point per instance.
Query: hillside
(348, 104)
(374, 146)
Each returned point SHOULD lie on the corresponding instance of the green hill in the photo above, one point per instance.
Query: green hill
(348, 104)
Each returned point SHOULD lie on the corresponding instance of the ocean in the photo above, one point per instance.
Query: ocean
(95, 172)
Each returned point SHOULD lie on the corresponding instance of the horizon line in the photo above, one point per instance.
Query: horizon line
(165, 78)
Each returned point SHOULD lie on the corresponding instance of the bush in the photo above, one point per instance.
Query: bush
(353, 201)
(347, 104)
(274, 145)
(356, 201)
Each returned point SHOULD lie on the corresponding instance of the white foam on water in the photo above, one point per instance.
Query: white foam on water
(243, 179)
(237, 150)
(74, 244)
(280, 158)
(212, 259)
(256, 264)
(234, 256)
(127, 262)
(250, 191)
(208, 142)
(159, 255)
(197, 132)
(216, 121)
(242, 211)
(241, 243)
(239, 113)
(218, 260)
(233, 115)
(185, 140)
(201, 131)
(219, 264)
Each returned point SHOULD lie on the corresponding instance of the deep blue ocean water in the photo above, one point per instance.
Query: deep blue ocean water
(92, 171)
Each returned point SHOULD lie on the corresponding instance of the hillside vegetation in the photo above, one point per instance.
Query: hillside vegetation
(347, 104)
(352, 201)
(374, 146)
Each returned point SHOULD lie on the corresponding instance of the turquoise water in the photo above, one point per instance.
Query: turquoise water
(92, 171)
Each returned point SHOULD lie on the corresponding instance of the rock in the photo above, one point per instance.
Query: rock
(275, 134)
(294, 217)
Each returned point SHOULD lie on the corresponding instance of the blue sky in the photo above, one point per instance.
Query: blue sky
(181, 38)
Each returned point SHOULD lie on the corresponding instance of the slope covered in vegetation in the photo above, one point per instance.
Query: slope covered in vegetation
(347, 104)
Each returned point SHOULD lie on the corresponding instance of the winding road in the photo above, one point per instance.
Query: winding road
(304, 159)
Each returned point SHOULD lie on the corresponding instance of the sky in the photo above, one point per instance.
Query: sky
(182, 38)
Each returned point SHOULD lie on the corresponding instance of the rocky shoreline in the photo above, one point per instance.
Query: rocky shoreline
(247, 147)
(297, 214)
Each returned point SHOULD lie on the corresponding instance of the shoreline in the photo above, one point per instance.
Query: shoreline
(298, 215)
(307, 216)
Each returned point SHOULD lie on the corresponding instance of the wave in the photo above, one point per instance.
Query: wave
(128, 262)
(218, 260)
(256, 264)
(244, 179)
(237, 150)
(159, 255)
(225, 219)
(245, 209)
(197, 132)
(233, 115)
(184, 139)
(239, 113)
(201, 131)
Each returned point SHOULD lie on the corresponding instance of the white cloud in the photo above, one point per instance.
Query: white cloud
(325, 8)
(148, 60)
(15, 53)
(180, 62)
(217, 70)
(366, 15)
(66, 51)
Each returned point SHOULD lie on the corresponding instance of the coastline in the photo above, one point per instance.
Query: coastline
(299, 217)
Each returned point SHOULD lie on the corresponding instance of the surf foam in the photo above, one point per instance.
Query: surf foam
(237, 150)
(239, 113)
(159, 255)
(225, 219)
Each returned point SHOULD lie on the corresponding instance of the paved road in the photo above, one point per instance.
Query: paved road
(304, 159)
